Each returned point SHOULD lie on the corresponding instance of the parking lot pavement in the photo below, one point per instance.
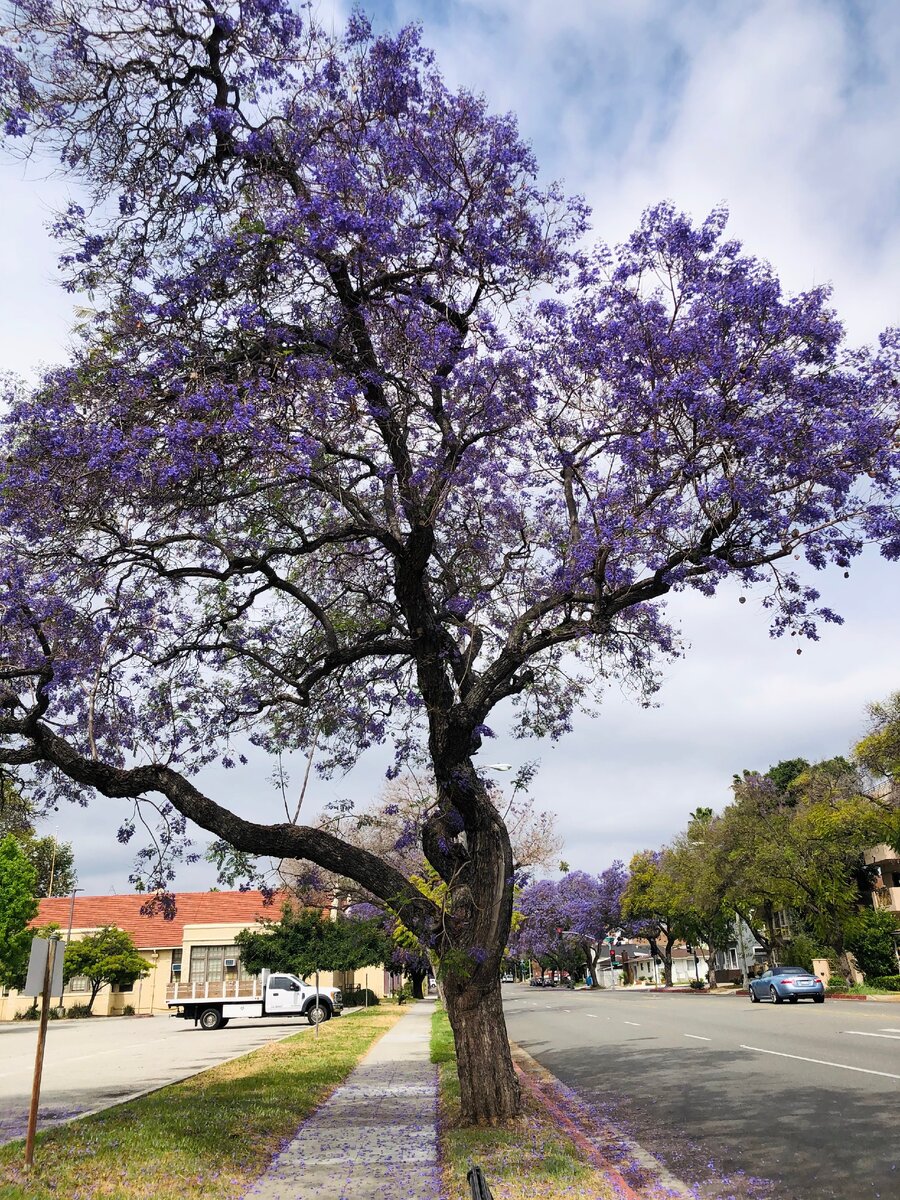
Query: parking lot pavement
(91, 1064)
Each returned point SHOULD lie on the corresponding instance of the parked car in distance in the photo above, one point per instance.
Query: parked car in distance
(787, 983)
(507, 979)
(536, 981)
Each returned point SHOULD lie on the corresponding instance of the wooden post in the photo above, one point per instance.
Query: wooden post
(39, 1055)
(318, 1023)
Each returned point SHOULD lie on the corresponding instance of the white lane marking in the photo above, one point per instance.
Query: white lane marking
(594, 1015)
(633, 1023)
(697, 1037)
(822, 1062)
(888, 1029)
(893, 1037)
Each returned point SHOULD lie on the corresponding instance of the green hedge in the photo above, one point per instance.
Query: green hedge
(887, 983)
(357, 996)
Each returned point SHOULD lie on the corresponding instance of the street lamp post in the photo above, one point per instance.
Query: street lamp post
(69, 936)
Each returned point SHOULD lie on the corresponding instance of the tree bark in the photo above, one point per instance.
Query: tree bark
(417, 978)
(489, 1088)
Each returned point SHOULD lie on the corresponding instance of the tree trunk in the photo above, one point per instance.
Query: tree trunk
(417, 978)
(667, 966)
(489, 1089)
(711, 970)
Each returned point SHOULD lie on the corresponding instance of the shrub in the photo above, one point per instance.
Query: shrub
(886, 983)
(869, 938)
(698, 985)
(357, 996)
(78, 1012)
(33, 1013)
(801, 950)
(128, 1010)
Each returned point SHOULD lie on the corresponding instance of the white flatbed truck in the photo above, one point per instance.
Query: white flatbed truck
(272, 994)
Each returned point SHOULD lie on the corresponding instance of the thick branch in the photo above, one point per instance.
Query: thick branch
(277, 841)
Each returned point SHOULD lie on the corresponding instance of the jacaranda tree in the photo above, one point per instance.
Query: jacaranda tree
(358, 443)
(593, 909)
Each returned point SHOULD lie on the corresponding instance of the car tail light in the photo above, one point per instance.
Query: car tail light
(782, 980)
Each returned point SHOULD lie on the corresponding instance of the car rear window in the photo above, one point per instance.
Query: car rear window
(791, 971)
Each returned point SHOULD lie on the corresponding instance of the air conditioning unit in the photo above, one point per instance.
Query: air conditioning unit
(230, 962)
(176, 968)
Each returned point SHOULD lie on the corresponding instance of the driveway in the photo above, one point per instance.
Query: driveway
(91, 1064)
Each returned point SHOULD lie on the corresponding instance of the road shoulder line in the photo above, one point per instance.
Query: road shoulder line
(822, 1062)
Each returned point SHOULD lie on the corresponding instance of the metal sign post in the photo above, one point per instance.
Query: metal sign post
(46, 963)
(318, 1022)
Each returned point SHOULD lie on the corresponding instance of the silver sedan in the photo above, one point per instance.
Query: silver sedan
(787, 983)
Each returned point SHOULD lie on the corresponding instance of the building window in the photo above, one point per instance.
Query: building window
(175, 975)
(78, 983)
(123, 987)
(208, 964)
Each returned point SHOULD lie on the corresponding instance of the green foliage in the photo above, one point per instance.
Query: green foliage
(869, 938)
(886, 983)
(802, 949)
(879, 751)
(18, 906)
(359, 997)
(303, 942)
(107, 956)
(784, 773)
(33, 1013)
(53, 861)
(404, 994)
(77, 1012)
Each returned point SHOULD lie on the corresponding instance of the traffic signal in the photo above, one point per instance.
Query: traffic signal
(612, 957)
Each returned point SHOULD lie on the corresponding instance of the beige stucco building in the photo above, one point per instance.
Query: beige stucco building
(196, 945)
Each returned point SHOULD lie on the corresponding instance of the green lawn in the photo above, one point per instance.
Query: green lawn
(209, 1136)
(528, 1159)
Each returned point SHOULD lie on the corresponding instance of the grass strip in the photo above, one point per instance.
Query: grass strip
(210, 1135)
(528, 1158)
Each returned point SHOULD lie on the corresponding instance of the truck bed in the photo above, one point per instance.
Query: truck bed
(223, 989)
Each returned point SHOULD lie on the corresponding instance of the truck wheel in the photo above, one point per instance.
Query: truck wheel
(316, 1014)
(211, 1018)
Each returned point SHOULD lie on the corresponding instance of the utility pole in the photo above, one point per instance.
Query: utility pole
(69, 937)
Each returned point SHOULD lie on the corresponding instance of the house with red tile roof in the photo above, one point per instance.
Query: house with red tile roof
(193, 944)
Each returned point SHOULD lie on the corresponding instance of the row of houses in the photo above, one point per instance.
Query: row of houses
(196, 946)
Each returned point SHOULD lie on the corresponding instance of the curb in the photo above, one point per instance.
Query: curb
(548, 1091)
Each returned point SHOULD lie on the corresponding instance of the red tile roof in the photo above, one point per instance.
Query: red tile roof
(156, 933)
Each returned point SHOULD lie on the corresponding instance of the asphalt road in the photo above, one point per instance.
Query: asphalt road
(783, 1101)
(89, 1065)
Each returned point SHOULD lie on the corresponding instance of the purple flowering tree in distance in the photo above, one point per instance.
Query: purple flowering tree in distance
(592, 906)
(539, 922)
(321, 472)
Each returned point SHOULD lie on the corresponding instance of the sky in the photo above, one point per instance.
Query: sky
(789, 112)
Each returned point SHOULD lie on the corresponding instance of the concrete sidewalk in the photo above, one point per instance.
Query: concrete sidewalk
(376, 1135)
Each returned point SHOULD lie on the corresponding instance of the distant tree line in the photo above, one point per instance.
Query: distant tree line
(787, 856)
